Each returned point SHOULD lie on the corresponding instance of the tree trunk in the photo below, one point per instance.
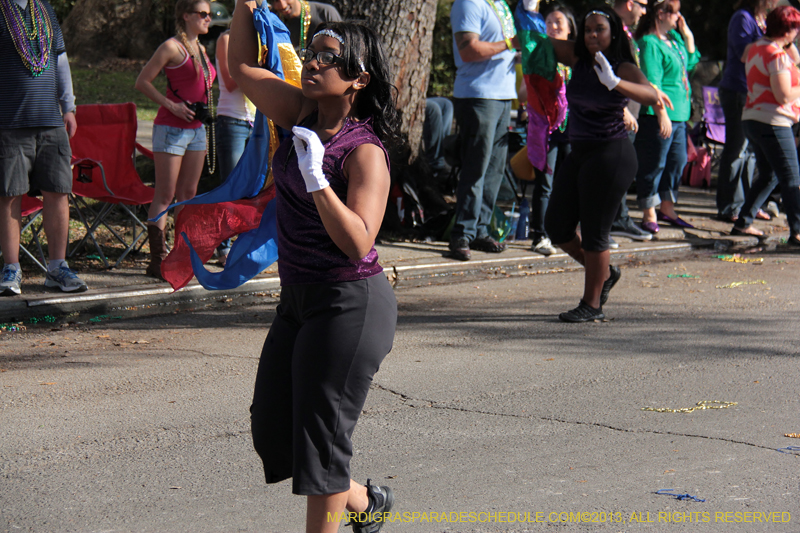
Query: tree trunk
(406, 27)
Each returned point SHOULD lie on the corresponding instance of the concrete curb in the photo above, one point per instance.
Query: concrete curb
(115, 303)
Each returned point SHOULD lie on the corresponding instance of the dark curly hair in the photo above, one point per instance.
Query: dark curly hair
(378, 99)
(620, 48)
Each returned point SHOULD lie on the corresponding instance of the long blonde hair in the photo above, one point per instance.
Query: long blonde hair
(183, 7)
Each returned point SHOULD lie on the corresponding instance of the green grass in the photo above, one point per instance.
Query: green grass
(95, 86)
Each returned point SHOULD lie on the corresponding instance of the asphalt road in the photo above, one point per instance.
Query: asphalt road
(487, 405)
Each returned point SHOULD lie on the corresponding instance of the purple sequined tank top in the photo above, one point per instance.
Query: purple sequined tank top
(306, 254)
(595, 113)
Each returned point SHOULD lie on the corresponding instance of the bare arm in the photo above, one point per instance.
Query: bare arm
(686, 33)
(167, 53)
(354, 226)
(471, 48)
(565, 52)
(635, 86)
(222, 61)
(781, 84)
(280, 101)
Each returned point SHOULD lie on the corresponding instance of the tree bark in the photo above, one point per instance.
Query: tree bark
(406, 27)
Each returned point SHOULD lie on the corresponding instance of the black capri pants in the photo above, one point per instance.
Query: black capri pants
(588, 189)
(324, 346)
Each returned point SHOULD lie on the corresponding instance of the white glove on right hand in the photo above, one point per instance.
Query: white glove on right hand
(309, 158)
(604, 71)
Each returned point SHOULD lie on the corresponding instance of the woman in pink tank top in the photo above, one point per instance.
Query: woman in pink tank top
(179, 138)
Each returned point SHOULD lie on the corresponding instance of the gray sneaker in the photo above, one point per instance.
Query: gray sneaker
(12, 277)
(630, 230)
(66, 279)
(772, 209)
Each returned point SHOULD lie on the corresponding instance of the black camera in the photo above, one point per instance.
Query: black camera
(201, 113)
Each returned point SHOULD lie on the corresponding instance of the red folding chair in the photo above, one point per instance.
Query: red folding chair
(103, 151)
(31, 213)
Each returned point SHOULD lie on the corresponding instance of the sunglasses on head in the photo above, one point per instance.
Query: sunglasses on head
(203, 14)
(323, 58)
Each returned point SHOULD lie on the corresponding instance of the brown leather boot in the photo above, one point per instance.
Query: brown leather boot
(158, 250)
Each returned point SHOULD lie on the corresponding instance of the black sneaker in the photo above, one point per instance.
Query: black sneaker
(381, 500)
(459, 249)
(630, 230)
(582, 313)
(612, 280)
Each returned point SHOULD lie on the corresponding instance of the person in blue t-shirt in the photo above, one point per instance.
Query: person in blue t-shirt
(484, 43)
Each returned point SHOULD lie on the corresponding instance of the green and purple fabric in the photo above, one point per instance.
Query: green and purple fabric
(547, 102)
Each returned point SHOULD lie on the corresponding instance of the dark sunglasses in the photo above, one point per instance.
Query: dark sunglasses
(323, 58)
(203, 14)
(643, 5)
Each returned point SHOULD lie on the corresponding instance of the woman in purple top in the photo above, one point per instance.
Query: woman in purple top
(591, 182)
(336, 318)
(746, 26)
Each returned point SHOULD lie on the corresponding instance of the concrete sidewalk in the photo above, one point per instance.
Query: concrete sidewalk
(127, 291)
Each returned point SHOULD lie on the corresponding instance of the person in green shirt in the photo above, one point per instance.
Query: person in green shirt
(667, 55)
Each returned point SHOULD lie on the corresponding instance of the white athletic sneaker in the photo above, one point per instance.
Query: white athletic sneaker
(12, 278)
(544, 247)
(65, 279)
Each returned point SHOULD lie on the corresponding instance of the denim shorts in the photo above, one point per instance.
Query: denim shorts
(35, 159)
(177, 141)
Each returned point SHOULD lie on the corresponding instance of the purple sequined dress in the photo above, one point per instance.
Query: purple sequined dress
(306, 254)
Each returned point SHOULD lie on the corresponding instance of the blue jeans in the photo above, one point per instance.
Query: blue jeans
(776, 159)
(437, 126)
(661, 162)
(232, 136)
(543, 186)
(483, 138)
(733, 184)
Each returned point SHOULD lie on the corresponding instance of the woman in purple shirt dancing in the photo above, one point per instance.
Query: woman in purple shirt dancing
(591, 182)
(336, 318)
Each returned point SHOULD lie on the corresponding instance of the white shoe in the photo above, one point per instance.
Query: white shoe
(544, 247)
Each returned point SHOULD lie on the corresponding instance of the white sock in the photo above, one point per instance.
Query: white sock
(55, 264)
(15, 265)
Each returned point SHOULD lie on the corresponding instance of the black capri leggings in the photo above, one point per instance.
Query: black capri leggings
(588, 189)
(324, 346)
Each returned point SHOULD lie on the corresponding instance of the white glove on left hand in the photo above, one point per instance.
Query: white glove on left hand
(604, 71)
(309, 158)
